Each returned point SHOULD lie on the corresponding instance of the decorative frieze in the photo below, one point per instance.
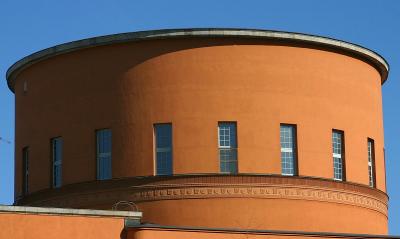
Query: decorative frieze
(200, 187)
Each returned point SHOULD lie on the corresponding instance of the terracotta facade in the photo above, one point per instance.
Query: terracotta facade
(128, 84)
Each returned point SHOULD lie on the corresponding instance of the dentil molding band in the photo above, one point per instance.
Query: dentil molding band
(184, 187)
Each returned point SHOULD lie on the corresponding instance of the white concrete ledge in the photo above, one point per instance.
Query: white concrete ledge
(70, 212)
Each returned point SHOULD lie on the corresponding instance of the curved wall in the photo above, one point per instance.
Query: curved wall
(244, 201)
(194, 83)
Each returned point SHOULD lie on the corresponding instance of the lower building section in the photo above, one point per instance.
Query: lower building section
(47, 223)
(261, 213)
(50, 223)
(234, 201)
(156, 231)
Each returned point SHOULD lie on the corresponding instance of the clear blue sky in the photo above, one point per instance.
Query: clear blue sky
(27, 26)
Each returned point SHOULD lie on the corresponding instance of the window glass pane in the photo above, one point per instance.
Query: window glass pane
(25, 168)
(337, 154)
(288, 151)
(227, 143)
(337, 166)
(57, 161)
(163, 135)
(104, 160)
(371, 165)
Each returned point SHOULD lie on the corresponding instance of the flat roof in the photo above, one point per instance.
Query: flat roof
(355, 50)
(70, 212)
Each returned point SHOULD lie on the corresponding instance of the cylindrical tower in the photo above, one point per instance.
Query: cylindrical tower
(222, 128)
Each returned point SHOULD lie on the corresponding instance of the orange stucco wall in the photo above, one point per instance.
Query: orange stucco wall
(23, 226)
(274, 214)
(194, 84)
(43, 226)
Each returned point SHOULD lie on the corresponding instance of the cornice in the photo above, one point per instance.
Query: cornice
(326, 43)
(69, 212)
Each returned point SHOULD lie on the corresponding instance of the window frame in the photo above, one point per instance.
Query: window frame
(384, 165)
(343, 155)
(294, 149)
(25, 170)
(230, 147)
(371, 162)
(157, 170)
(53, 161)
(98, 157)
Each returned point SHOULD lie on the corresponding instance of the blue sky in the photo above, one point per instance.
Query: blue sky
(29, 26)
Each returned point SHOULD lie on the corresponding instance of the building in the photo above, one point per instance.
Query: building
(222, 133)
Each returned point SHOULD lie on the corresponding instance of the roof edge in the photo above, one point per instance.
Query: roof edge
(370, 56)
(149, 226)
(69, 211)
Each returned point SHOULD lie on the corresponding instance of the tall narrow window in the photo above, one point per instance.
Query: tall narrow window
(288, 149)
(163, 148)
(371, 163)
(227, 144)
(103, 154)
(384, 166)
(25, 87)
(25, 170)
(56, 148)
(338, 155)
